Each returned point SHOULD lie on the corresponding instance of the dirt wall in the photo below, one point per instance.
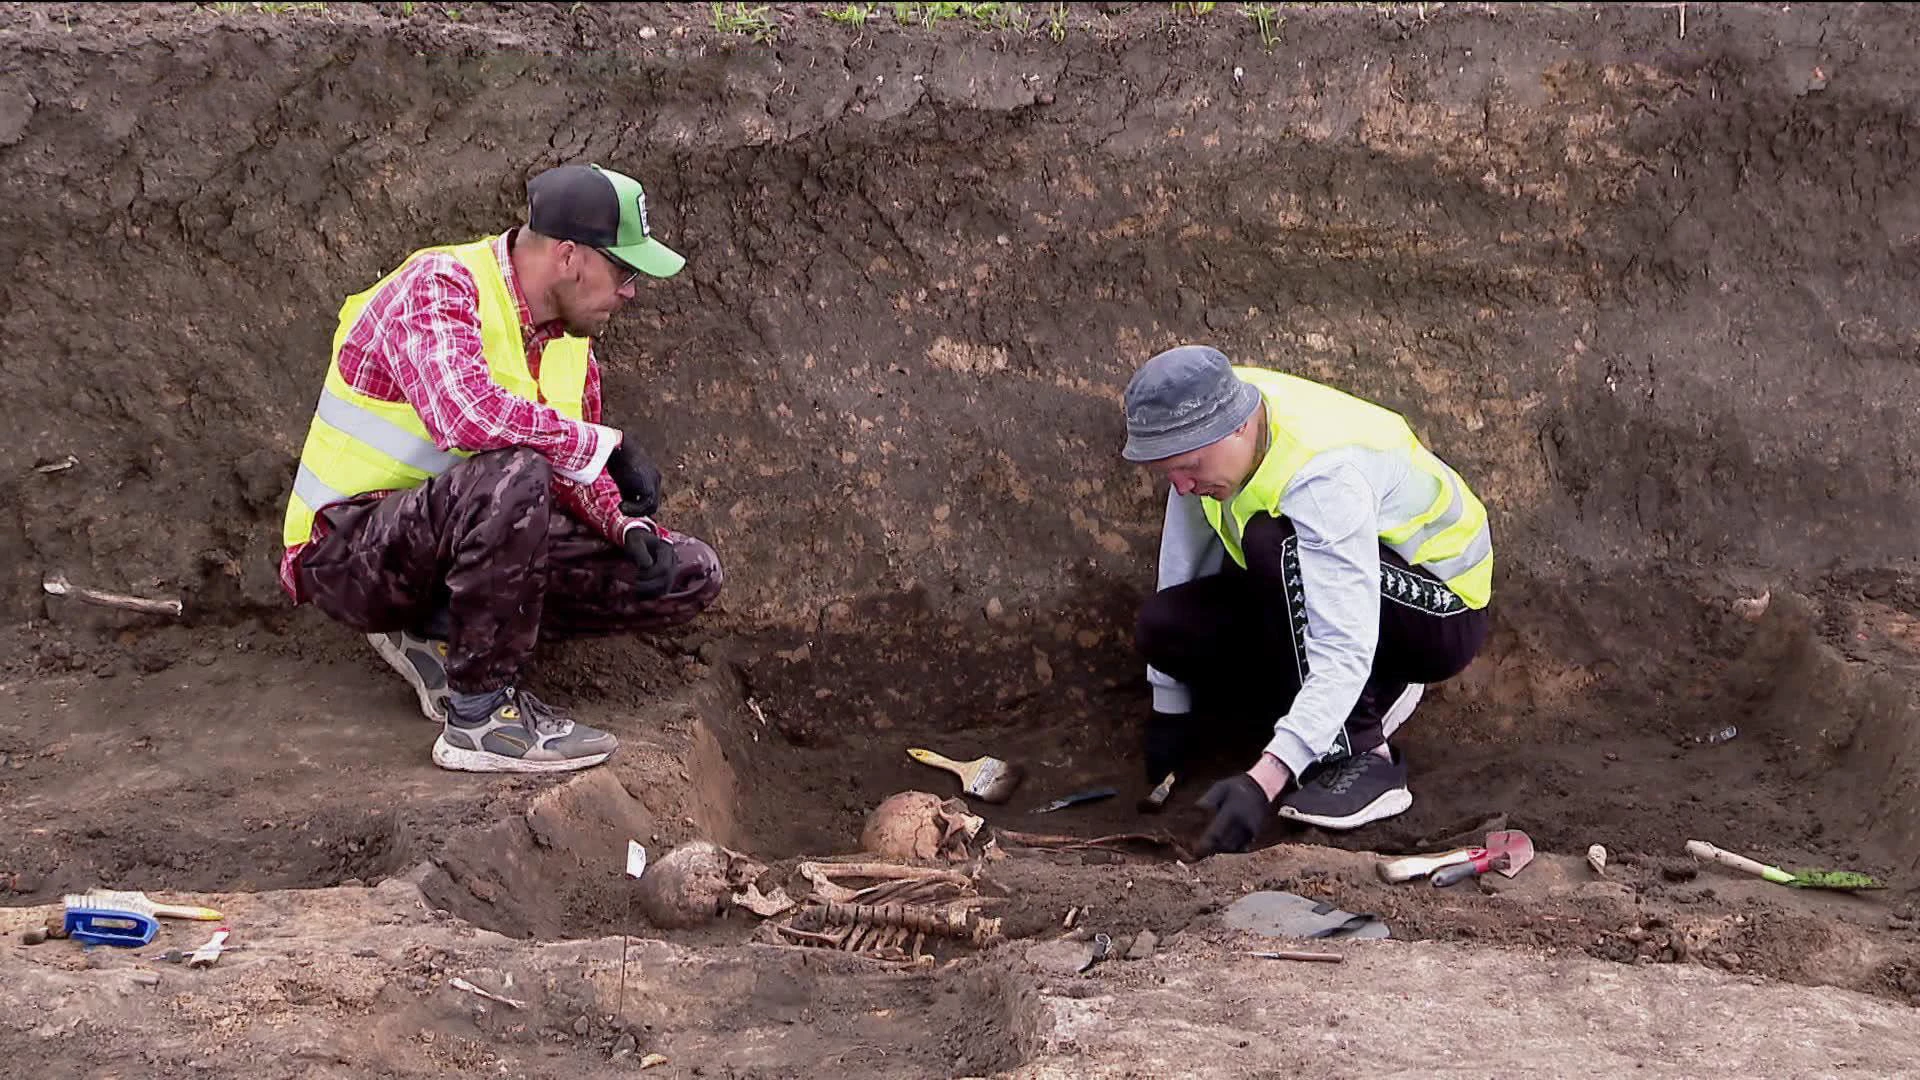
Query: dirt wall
(1645, 291)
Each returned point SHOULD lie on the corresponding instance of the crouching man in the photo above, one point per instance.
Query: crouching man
(459, 498)
(1318, 566)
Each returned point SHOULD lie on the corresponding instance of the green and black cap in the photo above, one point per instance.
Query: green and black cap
(600, 209)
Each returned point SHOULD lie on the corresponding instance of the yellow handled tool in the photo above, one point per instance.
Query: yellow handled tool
(988, 779)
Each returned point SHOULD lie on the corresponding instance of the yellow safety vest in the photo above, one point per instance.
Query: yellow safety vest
(358, 444)
(1449, 538)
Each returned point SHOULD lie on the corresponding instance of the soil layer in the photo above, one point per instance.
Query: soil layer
(1645, 286)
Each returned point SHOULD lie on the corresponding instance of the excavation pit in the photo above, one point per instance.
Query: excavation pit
(1647, 291)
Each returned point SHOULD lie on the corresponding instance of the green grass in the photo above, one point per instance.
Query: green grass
(1196, 10)
(1267, 18)
(851, 14)
(1001, 16)
(741, 19)
(1057, 22)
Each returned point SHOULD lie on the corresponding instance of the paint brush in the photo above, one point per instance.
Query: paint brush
(988, 779)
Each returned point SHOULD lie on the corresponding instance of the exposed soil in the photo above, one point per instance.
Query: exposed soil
(1648, 291)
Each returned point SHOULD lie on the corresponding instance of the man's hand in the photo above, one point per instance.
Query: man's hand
(637, 478)
(1239, 809)
(656, 559)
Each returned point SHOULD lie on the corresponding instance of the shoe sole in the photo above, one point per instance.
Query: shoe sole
(1389, 804)
(431, 707)
(448, 756)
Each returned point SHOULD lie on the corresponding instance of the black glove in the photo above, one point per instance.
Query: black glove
(1239, 809)
(656, 559)
(1166, 743)
(637, 478)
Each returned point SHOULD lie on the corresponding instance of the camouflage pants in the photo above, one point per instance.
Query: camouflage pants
(482, 551)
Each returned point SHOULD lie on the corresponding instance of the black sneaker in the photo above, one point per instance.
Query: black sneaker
(1363, 789)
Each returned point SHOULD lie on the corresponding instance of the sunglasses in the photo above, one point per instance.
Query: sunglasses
(621, 273)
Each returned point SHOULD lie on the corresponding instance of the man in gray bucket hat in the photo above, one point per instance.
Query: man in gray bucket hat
(1318, 567)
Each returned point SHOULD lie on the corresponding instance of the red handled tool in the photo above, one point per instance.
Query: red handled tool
(1507, 853)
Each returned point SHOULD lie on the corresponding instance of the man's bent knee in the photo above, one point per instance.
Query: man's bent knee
(699, 579)
(696, 585)
(514, 470)
(505, 486)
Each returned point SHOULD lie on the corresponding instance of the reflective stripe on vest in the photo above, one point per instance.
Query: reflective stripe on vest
(356, 443)
(309, 489)
(1448, 535)
(388, 438)
(1456, 508)
(1479, 549)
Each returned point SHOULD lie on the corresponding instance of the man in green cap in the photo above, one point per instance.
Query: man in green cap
(1318, 567)
(458, 496)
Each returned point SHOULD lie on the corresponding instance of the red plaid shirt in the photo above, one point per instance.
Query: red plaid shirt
(419, 341)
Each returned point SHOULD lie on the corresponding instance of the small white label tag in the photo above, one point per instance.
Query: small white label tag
(636, 859)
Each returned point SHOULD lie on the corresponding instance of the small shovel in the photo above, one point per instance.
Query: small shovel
(1508, 852)
(1414, 866)
(1805, 879)
(988, 779)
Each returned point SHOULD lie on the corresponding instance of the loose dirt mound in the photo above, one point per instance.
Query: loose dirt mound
(1647, 290)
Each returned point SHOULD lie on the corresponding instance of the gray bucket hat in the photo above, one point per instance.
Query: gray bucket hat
(1183, 399)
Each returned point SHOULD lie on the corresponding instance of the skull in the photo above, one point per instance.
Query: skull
(916, 826)
(693, 884)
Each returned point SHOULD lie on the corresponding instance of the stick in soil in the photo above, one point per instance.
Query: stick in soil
(1304, 957)
(1051, 841)
(625, 925)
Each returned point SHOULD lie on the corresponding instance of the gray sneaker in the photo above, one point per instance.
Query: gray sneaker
(518, 733)
(423, 663)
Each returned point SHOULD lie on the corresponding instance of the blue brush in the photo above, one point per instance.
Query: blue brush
(100, 921)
